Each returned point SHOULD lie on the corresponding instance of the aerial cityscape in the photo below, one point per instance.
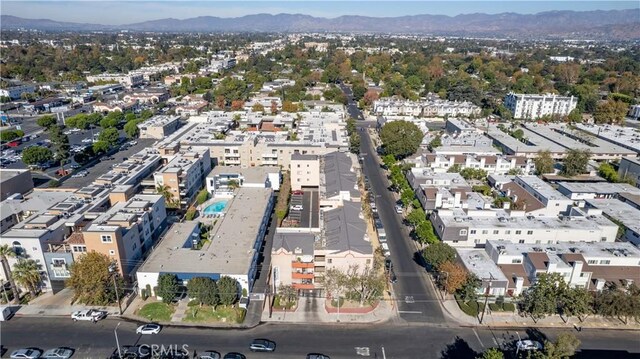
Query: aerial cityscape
(340, 179)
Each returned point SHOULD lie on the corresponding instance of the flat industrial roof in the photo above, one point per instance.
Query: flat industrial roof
(623, 212)
(598, 187)
(231, 249)
(479, 263)
(6, 174)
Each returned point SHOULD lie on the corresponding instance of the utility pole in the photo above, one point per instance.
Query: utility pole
(338, 320)
(114, 274)
(518, 344)
(486, 297)
(115, 332)
(384, 356)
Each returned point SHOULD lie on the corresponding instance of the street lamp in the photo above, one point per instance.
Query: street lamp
(115, 332)
(114, 274)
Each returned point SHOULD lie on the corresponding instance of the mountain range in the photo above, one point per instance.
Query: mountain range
(611, 25)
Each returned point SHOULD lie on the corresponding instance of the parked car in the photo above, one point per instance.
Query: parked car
(296, 207)
(149, 329)
(528, 345)
(209, 354)
(89, 315)
(262, 345)
(234, 355)
(298, 192)
(388, 264)
(398, 209)
(317, 356)
(385, 249)
(26, 353)
(58, 353)
(392, 276)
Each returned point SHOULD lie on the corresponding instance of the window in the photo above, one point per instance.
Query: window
(58, 262)
(605, 261)
(298, 166)
(538, 241)
(508, 231)
(521, 241)
(80, 249)
(516, 261)
(463, 232)
(603, 239)
(495, 231)
(455, 241)
(473, 231)
(518, 232)
(485, 231)
(329, 260)
(112, 252)
(106, 239)
(529, 232)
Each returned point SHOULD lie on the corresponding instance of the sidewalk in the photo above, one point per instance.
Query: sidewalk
(312, 310)
(508, 319)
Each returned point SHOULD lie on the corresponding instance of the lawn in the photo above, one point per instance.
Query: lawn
(206, 314)
(157, 311)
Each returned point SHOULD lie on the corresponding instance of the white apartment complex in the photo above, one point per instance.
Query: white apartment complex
(432, 106)
(127, 80)
(524, 106)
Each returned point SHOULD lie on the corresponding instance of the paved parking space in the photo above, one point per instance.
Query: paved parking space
(104, 166)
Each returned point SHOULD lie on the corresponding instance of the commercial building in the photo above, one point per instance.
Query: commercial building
(304, 171)
(14, 181)
(233, 246)
(127, 231)
(184, 174)
(524, 106)
(159, 127)
(225, 178)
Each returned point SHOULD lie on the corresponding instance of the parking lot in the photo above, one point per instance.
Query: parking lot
(304, 207)
(104, 166)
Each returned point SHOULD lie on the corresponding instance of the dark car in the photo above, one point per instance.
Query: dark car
(262, 345)
(388, 264)
(392, 276)
(317, 356)
(234, 356)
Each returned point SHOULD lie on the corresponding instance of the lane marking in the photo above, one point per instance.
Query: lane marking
(363, 351)
(409, 312)
(478, 337)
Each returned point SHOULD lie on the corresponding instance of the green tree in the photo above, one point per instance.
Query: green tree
(60, 143)
(401, 138)
(110, 136)
(36, 155)
(131, 128)
(80, 121)
(227, 290)
(564, 347)
(424, 233)
(606, 171)
(91, 280)
(543, 297)
(543, 162)
(287, 293)
(435, 143)
(7, 252)
(416, 216)
(575, 302)
(610, 112)
(27, 273)
(10, 135)
(455, 169)
(167, 287)
(575, 162)
(204, 290)
(389, 160)
(492, 353)
(575, 116)
(109, 122)
(257, 108)
(354, 143)
(518, 134)
(202, 196)
(469, 289)
(46, 121)
(437, 253)
(100, 147)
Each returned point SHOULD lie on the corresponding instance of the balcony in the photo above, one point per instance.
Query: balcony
(268, 162)
(302, 265)
(302, 286)
(296, 275)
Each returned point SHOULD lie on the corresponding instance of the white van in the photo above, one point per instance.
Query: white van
(5, 313)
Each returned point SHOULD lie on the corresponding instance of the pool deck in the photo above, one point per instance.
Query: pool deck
(227, 197)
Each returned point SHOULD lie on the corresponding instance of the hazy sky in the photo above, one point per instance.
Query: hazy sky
(107, 12)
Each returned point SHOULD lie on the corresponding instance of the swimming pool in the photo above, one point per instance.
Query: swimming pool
(216, 207)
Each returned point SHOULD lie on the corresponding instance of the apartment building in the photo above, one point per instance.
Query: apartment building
(432, 106)
(159, 127)
(14, 181)
(127, 231)
(304, 171)
(582, 191)
(132, 171)
(629, 167)
(184, 174)
(127, 80)
(536, 197)
(338, 180)
(437, 190)
(493, 164)
(524, 106)
(147, 96)
(222, 177)
(473, 228)
(623, 213)
(15, 92)
(233, 249)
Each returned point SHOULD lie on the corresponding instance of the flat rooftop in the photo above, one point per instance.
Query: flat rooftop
(533, 144)
(587, 249)
(623, 212)
(231, 249)
(627, 137)
(567, 138)
(6, 174)
(479, 263)
(541, 187)
(598, 187)
(158, 121)
(250, 174)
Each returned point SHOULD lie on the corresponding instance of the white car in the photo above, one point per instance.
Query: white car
(385, 249)
(88, 315)
(297, 207)
(528, 345)
(398, 209)
(27, 353)
(148, 329)
(87, 140)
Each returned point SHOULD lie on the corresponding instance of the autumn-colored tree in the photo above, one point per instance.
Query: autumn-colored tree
(237, 105)
(274, 107)
(220, 101)
(257, 108)
(454, 276)
(370, 97)
(289, 106)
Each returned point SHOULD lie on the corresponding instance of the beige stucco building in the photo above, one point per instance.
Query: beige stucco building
(305, 171)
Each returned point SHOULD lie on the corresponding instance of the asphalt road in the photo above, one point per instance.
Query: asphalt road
(296, 340)
(415, 296)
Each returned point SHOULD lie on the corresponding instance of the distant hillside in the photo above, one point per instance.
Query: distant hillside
(613, 24)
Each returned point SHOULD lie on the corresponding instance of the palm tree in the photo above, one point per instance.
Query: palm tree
(165, 191)
(27, 273)
(5, 253)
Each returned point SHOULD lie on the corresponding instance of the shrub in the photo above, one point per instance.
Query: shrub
(508, 307)
(190, 215)
(495, 307)
(144, 294)
(53, 183)
(202, 196)
(240, 314)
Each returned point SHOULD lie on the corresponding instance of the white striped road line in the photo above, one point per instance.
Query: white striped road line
(409, 312)
(478, 337)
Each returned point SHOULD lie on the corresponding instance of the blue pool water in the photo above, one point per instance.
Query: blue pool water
(216, 207)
